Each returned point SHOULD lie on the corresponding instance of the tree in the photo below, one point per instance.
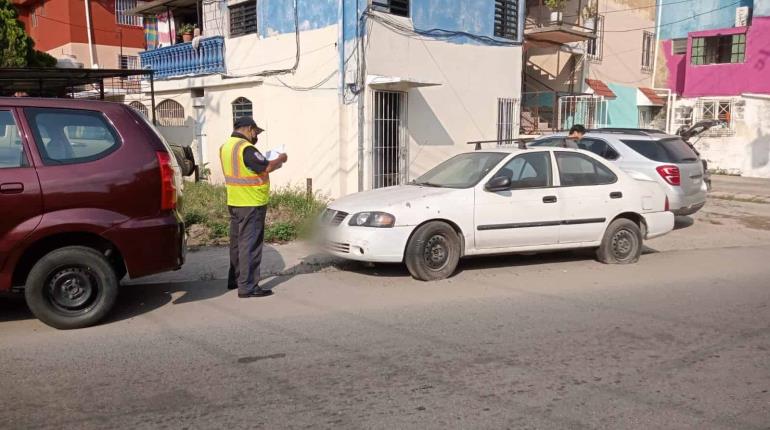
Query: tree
(17, 49)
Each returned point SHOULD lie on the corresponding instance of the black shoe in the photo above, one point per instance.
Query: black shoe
(232, 287)
(257, 293)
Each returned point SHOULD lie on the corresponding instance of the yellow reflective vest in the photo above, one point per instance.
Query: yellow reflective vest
(244, 187)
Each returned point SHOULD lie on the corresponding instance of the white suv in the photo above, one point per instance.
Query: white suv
(649, 154)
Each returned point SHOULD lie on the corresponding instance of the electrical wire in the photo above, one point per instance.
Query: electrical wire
(675, 22)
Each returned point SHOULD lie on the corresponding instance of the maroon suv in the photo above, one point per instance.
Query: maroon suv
(88, 194)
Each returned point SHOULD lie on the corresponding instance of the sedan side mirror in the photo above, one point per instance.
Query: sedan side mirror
(500, 183)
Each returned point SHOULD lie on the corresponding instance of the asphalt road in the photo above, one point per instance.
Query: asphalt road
(680, 340)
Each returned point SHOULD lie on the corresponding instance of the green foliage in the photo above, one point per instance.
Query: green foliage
(185, 29)
(280, 232)
(17, 49)
(556, 5)
(14, 42)
(290, 213)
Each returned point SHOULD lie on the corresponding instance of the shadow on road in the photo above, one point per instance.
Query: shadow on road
(682, 222)
(472, 264)
(14, 308)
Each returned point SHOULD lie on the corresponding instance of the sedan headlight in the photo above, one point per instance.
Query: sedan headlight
(372, 219)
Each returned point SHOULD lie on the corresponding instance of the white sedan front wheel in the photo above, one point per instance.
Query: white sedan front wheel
(433, 252)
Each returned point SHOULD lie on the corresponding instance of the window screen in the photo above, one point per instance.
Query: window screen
(507, 19)
(243, 18)
(393, 7)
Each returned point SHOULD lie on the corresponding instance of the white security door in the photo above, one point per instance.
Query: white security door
(389, 140)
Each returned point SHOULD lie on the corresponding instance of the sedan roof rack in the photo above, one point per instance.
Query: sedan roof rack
(622, 130)
(520, 143)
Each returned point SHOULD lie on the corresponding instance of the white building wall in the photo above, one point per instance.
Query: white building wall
(747, 152)
(320, 133)
(461, 108)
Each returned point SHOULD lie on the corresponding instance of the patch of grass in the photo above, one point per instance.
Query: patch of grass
(290, 212)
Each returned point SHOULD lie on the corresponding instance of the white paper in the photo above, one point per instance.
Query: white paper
(275, 153)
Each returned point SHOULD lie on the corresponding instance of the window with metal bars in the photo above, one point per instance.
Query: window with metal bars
(718, 49)
(122, 18)
(170, 114)
(243, 18)
(140, 107)
(393, 7)
(648, 41)
(507, 19)
(241, 107)
(507, 127)
(128, 61)
(723, 110)
(595, 47)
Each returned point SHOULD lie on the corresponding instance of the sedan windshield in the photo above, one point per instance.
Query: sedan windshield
(461, 171)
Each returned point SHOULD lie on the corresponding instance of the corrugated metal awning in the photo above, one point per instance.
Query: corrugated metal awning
(159, 6)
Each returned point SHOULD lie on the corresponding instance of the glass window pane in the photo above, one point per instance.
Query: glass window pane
(67, 136)
(579, 170)
(531, 170)
(11, 149)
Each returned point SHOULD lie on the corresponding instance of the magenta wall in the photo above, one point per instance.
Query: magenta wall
(752, 76)
(676, 68)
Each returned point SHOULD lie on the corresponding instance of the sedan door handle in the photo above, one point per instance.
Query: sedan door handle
(12, 188)
(549, 199)
(616, 195)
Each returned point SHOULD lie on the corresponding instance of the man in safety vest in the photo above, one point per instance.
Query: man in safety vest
(247, 178)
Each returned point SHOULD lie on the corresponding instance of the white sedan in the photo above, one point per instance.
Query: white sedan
(500, 201)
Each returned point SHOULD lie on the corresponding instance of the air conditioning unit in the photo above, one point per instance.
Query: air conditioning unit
(742, 16)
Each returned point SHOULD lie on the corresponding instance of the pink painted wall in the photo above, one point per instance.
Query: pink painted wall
(675, 64)
(752, 76)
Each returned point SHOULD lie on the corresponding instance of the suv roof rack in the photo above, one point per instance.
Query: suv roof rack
(636, 131)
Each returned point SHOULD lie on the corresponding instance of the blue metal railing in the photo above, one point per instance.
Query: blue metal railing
(182, 59)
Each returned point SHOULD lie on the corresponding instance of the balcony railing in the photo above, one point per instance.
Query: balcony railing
(562, 27)
(182, 59)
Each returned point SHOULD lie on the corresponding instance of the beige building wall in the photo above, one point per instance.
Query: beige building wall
(621, 61)
(624, 24)
(106, 57)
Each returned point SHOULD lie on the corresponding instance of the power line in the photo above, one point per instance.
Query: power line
(674, 22)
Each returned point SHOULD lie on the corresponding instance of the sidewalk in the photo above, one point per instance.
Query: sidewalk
(209, 264)
(741, 188)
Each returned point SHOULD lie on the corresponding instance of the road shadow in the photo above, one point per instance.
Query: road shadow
(478, 263)
(14, 308)
(682, 222)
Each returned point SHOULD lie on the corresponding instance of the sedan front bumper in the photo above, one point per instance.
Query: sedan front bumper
(376, 245)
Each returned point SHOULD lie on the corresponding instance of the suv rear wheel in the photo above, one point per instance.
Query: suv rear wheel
(622, 243)
(72, 287)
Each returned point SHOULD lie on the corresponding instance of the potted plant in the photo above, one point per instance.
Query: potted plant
(589, 13)
(186, 31)
(557, 7)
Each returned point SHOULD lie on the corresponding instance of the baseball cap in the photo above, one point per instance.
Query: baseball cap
(247, 121)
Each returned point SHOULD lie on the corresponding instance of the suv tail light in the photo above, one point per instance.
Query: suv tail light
(167, 182)
(670, 174)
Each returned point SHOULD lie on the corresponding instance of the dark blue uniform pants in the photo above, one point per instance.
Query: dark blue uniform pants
(247, 233)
